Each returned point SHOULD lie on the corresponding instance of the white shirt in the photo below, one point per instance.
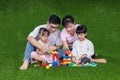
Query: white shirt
(83, 47)
(54, 38)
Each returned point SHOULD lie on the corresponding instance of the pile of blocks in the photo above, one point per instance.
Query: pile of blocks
(55, 59)
(92, 64)
(66, 61)
(66, 57)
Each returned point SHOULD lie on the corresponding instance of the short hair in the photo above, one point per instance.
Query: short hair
(43, 31)
(67, 19)
(54, 19)
(81, 29)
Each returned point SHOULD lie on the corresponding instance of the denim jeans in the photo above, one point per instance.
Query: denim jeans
(29, 48)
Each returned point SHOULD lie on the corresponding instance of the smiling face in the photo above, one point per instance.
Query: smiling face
(44, 37)
(43, 34)
(82, 36)
(70, 28)
(52, 27)
(81, 32)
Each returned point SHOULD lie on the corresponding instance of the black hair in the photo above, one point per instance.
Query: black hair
(44, 31)
(54, 19)
(81, 29)
(67, 19)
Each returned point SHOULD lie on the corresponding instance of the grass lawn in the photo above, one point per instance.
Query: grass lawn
(19, 17)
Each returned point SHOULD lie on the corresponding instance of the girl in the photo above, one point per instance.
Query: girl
(43, 40)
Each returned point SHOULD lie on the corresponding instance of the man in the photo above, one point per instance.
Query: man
(54, 40)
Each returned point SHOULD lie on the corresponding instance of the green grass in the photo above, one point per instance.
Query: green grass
(19, 17)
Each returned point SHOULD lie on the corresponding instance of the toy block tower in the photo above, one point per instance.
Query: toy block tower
(55, 59)
(66, 57)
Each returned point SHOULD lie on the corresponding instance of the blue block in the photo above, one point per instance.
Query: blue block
(64, 56)
(55, 63)
(93, 64)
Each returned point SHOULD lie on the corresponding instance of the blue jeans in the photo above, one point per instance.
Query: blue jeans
(29, 48)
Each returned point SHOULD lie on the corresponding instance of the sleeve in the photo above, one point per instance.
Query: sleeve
(63, 36)
(35, 32)
(90, 50)
(58, 41)
(74, 50)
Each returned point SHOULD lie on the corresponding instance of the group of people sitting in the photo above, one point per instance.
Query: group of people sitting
(48, 37)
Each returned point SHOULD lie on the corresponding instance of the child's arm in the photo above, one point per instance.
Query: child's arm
(74, 59)
(90, 49)
(33, 41)
(82, 56)
(39, 51)
(74, 53)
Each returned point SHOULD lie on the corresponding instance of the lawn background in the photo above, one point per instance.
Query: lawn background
(19, 17)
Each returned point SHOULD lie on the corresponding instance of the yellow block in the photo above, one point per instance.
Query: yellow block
(69, 55)
(54, 52)
(47, 67)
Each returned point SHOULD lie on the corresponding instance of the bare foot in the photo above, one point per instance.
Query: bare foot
(24, 65)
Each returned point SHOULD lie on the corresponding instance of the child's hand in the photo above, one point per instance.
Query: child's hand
(74, 59)
(84, 55)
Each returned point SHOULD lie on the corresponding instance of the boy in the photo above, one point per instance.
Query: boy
(83, 48)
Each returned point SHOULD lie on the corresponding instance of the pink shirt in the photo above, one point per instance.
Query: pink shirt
(65, 36)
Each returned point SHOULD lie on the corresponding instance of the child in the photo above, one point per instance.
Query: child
(43, 40)
(83, 48)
